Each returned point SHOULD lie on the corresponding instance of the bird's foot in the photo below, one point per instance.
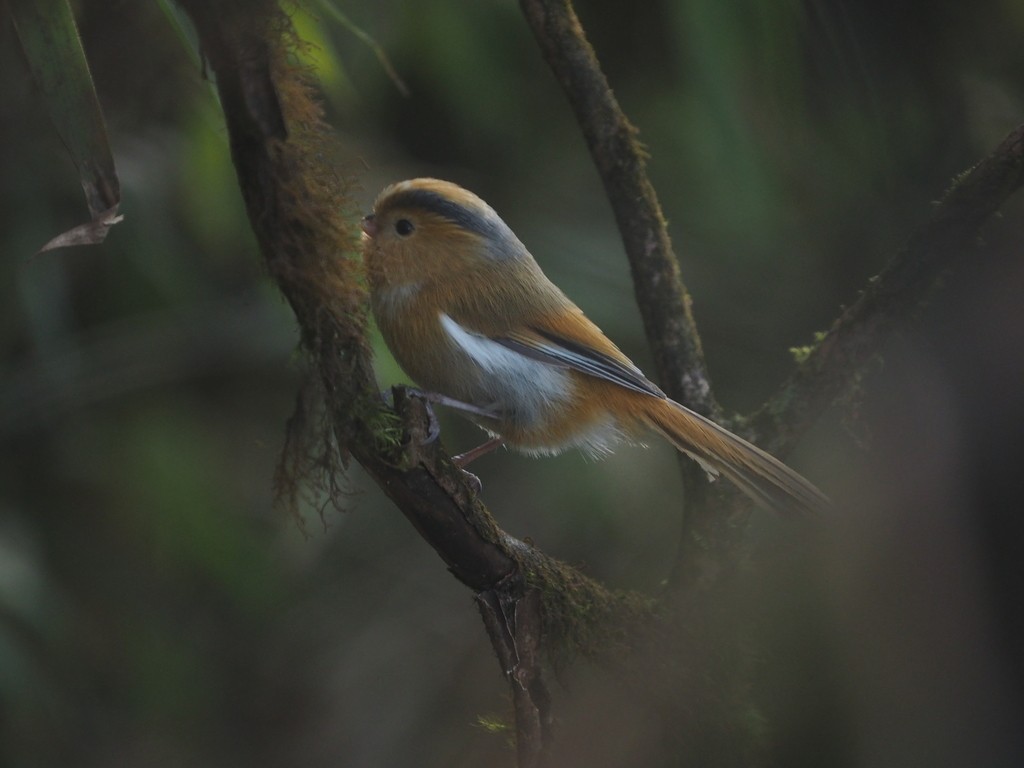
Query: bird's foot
(473, 480)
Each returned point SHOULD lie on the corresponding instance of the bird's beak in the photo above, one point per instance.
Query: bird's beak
(369, 225)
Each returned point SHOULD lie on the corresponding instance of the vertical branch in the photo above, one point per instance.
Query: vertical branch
(513, 618)
(620, 159)
(665, 306)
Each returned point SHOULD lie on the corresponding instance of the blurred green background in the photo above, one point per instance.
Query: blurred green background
(156, 610)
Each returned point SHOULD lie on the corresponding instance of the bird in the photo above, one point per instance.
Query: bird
(469, 315)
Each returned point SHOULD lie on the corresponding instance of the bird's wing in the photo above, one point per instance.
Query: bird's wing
(556, 349)
(543, 324)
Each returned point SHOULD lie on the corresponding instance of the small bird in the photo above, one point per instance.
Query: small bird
(472, 319)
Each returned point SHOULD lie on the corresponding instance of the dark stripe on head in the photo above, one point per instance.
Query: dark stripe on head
(461, 208)
(430, 201)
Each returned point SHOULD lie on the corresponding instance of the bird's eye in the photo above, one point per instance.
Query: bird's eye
(404, 227)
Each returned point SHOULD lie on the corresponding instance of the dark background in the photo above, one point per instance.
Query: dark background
(156, 610)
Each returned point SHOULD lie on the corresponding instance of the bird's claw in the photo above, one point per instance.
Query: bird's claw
(473, 481)
(433, 426)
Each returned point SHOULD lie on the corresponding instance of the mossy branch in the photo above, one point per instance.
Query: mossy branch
(828, 370)
(304, 220)
(306, 226)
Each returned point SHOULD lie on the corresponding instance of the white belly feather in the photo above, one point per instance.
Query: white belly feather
(525, 390)
(518, 384)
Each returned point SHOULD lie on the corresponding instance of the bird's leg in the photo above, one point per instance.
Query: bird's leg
(450, 402)
(433, 429)
(463, 459)
(473, 454)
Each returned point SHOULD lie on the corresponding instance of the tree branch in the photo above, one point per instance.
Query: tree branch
(301, 215)
(621, 162)
(834, 366)
(714, 517)
(515, 629)
(304, 223)
(714, 525)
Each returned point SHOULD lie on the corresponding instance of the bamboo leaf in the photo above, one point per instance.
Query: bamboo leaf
(49, 38)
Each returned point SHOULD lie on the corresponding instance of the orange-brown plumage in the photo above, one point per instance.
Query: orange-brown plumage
(469, 314)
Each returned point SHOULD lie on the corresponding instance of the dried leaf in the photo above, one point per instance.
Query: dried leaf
(91, 233)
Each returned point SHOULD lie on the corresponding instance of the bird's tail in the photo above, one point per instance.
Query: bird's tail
(761, 476)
